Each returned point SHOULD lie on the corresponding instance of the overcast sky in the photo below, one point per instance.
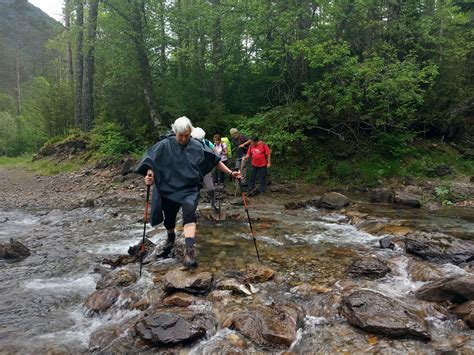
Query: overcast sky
(53, 8)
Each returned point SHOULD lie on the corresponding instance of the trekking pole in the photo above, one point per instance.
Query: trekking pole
(218, 194)
(250, 221)
(142, 247)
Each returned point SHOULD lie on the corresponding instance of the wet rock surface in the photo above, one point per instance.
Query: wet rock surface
(368, 267)
(273, 325)
(178, 280)
(368, 310)
(168, 326)
(439, 248)
(457, 289)
(14, 251)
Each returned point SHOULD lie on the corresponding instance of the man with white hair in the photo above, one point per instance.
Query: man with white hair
(175, 166)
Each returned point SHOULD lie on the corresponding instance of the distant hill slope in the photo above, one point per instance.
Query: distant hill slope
(19, 20)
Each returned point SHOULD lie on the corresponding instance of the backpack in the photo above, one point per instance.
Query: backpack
(229, 146)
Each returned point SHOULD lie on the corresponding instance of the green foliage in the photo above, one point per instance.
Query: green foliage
(445, 194)
(283, 129)
(41, 167)
(393, 145)
(108, 141)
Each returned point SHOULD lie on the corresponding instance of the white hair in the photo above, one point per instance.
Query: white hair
(198, 133)
(182, 124)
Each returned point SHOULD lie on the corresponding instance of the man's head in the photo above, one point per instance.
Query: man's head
(198, 133)
(234, 132)
(255, 140)
(182, 127)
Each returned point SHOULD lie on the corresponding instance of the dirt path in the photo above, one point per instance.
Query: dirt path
(21, 188)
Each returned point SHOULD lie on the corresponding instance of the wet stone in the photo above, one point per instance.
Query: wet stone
(382, 195)
(439, 248)
(178, 280)
(181, 299)
(423, 271)
(368, 310)
(457, 289)
(371, 268)
(333, 200)
(101, 300)
(117, 278)
(168, 326)
(407, 200)
(258, 273)
(14, 251)
(273, 325)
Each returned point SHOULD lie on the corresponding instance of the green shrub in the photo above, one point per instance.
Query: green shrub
(108, 141)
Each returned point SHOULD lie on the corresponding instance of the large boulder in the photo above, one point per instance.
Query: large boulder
(169, 326)
(274, 325)
(14, 251)
(333, 200)
(457, 289)
(376, 313)
(178, 280)
(367, 267)
(407, 200)
(439, 248)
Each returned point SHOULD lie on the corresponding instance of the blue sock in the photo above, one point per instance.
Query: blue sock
(189, 242)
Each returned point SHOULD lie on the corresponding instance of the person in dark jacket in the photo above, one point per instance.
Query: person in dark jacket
(175, 166)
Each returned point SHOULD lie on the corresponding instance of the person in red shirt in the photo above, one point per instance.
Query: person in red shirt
(259, 152)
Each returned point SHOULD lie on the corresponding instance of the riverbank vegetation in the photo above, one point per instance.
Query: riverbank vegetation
(343, 92)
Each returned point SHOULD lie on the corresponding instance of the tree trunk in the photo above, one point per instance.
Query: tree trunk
(217, 56)
(67, 24)
(144, 63)
(88, 78)
(17, 81)
(79, 63)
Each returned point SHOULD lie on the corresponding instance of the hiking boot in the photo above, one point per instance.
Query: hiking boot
(189, 259)
(168, 246)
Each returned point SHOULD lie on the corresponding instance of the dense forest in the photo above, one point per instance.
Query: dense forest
(338, 80)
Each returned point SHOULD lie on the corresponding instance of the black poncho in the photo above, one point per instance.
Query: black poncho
(178, 171)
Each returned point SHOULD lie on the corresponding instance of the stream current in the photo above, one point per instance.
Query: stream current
(41, 304)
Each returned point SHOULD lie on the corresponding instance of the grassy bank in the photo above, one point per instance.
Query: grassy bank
(41, 167)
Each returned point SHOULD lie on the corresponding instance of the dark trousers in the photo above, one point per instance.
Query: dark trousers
(219, 176)
(262, 176)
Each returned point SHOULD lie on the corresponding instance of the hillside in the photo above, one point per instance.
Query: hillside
(32, 28)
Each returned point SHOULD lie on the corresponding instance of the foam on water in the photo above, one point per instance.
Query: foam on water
(84, 326)
(82, 284)
(399, 284)
(339, 234)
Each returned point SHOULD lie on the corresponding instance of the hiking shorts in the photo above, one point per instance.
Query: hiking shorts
(170, 209)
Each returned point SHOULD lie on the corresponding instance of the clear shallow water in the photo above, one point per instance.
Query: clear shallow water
(42, 296)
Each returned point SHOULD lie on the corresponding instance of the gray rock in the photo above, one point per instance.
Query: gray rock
(439, 248)
(381, 195)
(127, 166)
(101, 300)
(274, 325)
(14, 251)
(168, 326)
(387, 243)
(333, 200)
(371, 268)
(376, 313)
(178, 280)
(457, 289)
(117, 278)
(406, 200)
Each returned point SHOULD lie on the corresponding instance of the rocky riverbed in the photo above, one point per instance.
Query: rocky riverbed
(377, 271)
